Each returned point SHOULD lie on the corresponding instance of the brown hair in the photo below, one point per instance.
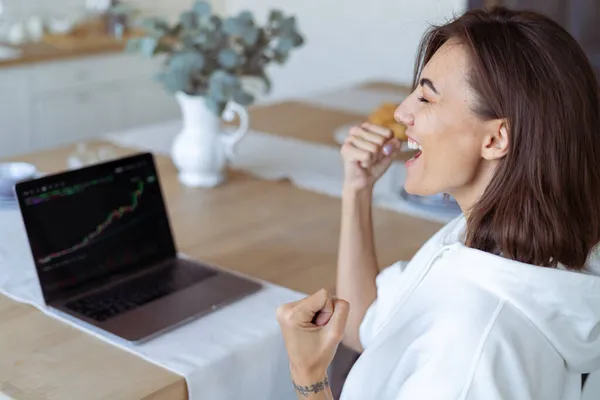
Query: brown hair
(542, 206)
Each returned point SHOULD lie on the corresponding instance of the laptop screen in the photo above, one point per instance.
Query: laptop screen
(96, 223)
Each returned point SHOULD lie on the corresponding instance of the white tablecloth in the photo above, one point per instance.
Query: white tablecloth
(234, 353)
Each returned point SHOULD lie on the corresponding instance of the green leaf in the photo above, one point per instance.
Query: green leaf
(203, 22)
(175, 82)
(267, 82)
(247, 17)
(188, 20)
(214, 105)
(154, 27)
(234, 26)
(280, 58)
(276, 16)
(285, 45)
(225, 79)
(202, 8)
(188, 41)
(229, 58)
(216, 23)
(207, 40)
(187, 61)
(162, 48)
(298, 39)
(243, 98)
(288, 25)
(148, 46)
(200, 39)
(223, 85)
(217, 92)
(213, 40)
(161, 24)
(250, 36)
(175, 30)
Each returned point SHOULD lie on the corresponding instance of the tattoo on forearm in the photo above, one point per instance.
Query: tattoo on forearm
(314, 388)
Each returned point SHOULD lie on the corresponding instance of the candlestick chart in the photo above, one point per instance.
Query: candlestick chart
(113, 215)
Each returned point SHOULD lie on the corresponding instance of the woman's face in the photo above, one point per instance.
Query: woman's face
(452, 138)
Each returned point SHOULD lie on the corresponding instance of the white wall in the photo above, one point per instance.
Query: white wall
(22, 9)
(17, 10)
(351, 40)
(346, 40)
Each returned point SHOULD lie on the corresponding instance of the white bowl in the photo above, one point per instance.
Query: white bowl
(12, 173)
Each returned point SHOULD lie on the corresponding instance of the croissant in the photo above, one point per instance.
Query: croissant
(384, 116)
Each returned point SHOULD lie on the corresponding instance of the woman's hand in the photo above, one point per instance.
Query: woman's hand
(367, 154)
(312, 330)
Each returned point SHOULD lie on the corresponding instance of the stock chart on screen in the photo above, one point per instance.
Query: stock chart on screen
(94, 226)
(113, 218)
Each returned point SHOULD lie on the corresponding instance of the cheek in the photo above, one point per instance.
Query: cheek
(457, 163)
(448, 162)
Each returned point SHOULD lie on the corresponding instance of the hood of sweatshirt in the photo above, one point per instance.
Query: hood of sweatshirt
(564, 305)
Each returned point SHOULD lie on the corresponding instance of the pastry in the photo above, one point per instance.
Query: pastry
(384, 116)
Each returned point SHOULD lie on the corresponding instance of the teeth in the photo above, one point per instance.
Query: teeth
(413, 145)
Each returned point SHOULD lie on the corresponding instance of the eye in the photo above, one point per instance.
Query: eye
(423, 100)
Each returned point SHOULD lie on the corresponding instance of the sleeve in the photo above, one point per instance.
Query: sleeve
(392, 281)
(388, 284)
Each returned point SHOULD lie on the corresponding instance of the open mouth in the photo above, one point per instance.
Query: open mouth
(414, 145)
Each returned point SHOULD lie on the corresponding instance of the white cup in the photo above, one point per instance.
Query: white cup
(12, 173)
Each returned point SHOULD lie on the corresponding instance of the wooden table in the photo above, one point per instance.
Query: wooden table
(267, 229)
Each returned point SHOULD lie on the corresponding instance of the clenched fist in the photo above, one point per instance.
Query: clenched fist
(367, 154)
(312, 329)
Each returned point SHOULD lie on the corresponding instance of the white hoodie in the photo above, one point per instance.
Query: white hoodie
(459, 323)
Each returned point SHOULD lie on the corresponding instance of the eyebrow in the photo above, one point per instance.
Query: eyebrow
(427, 82)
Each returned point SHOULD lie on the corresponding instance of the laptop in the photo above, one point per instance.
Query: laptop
(104, 252)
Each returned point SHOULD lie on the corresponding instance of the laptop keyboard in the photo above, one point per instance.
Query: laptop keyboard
(132, 294)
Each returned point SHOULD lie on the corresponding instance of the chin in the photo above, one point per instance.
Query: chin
(418, 189)
(414, 189)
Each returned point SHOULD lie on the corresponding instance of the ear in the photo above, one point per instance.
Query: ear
(496, 140)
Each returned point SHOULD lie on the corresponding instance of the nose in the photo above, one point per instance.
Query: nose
(404, 115)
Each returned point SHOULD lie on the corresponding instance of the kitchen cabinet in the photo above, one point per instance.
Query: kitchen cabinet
(51, 104)
(76, 114)
(54, 103)
(89, 70)
(14, 112)
(148, 103)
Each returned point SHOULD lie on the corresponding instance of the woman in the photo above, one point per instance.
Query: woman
(503, 302)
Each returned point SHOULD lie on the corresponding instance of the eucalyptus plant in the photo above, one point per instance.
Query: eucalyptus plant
(208, 56)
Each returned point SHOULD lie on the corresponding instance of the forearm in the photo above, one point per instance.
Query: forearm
(357, 262)
(311, 386)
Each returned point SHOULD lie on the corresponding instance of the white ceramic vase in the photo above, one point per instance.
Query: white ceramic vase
(202, 150)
